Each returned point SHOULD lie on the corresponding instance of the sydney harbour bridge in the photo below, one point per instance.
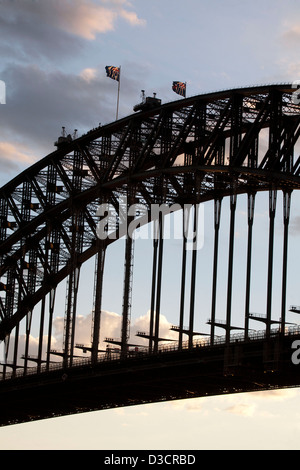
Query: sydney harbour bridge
(74, 205)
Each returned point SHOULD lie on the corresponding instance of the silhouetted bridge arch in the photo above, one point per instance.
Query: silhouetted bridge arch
(179, 155)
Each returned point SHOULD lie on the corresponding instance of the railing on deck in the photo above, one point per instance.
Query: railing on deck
(143, 352)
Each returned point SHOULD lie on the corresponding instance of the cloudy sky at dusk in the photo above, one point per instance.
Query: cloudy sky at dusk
(53, 57)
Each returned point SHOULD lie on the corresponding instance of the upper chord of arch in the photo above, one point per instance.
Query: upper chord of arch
(188, 151)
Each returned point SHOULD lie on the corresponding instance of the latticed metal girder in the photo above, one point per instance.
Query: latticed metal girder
(192, 150)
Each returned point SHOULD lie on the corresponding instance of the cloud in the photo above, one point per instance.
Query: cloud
(132, 18)
(83, 18)
(275, 395)
(88, 74)
(39, 103)
(242, 409)
(194, 405)
(33, 348)
(254, 404)
(142, 324)
(291, 34)
(29, 32)
(11, 155)
(86, 18)
(33, 22)
(111, 324)
(37, 38)
(110, 327)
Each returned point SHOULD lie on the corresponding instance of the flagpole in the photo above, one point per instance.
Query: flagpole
(119, 81)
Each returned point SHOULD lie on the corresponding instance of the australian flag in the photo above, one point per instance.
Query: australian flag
(179, 88)
(113, 72)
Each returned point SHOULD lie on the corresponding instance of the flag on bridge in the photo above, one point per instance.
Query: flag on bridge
(113, 72)
(179, 88)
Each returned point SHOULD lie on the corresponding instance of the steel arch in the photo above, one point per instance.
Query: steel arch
(188, 151)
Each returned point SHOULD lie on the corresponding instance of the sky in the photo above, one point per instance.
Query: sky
(53, 57)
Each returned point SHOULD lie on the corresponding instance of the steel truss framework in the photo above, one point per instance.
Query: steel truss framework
(185, 152)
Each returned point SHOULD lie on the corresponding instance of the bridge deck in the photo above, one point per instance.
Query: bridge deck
(241, 366)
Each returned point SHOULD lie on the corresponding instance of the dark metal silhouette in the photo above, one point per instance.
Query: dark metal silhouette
(194, 150)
